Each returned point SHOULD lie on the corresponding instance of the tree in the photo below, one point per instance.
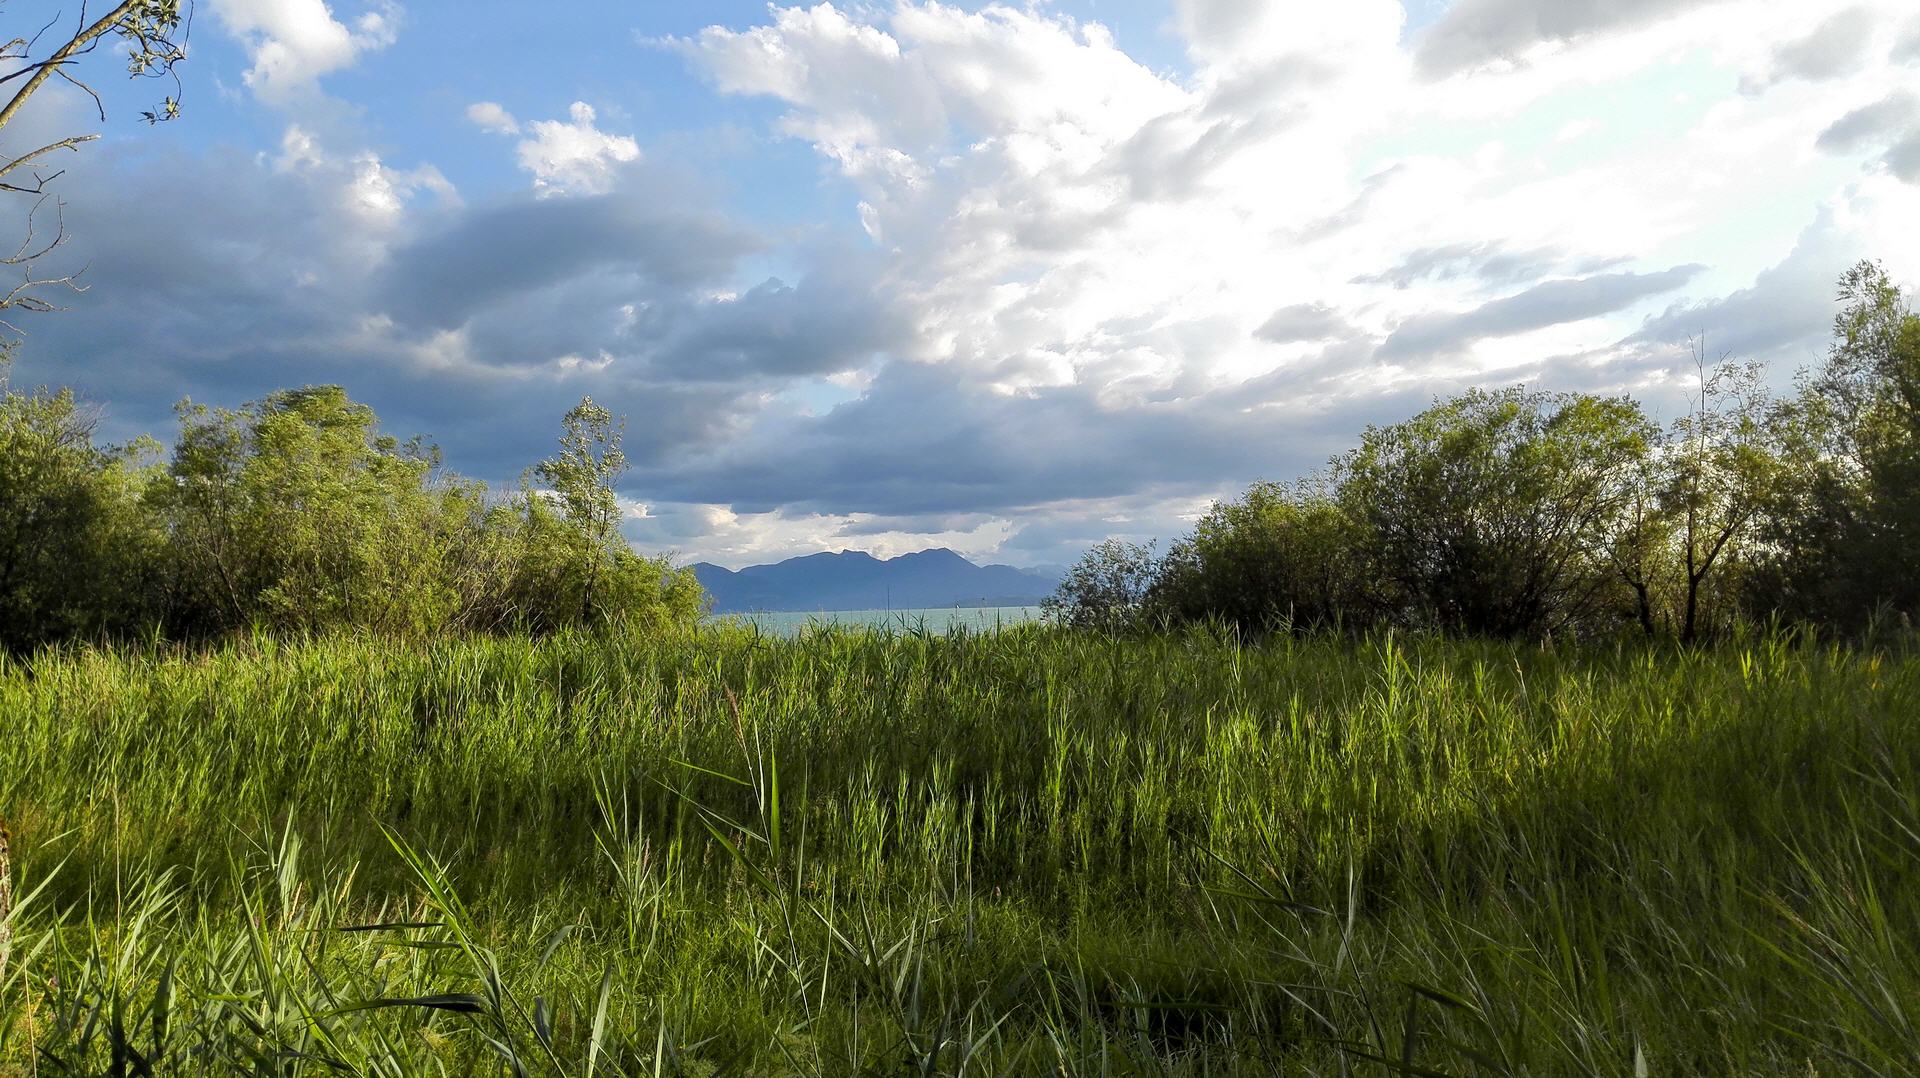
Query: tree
(1641, 547)
(1106, 589)
(295, 512)
(571, 565)
(1490, 513)
(150, 30)
(581, 479)
(1720, 465)
(1279, 558)
(73, 544)
(1846, 518)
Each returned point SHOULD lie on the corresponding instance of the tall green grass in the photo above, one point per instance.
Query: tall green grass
(1026, 852)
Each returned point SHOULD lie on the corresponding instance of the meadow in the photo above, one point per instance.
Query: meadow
(1036, 851)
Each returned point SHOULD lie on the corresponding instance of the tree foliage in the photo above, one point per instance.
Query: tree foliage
(72, 539)
(1489, 514)
(1107, 589)
(1515, 512)
(1279, 558)
(1844, 523)
(295, 513)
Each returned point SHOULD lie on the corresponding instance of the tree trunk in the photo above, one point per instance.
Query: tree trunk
(1646, 608)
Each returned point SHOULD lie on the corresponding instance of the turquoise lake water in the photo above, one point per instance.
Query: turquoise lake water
(934, 620)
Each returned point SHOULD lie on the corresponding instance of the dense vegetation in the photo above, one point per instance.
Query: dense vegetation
(1034, 852)
(1526, 514)
(295, 513)
(318, 758)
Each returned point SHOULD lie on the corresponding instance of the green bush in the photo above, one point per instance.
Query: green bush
(296, 514)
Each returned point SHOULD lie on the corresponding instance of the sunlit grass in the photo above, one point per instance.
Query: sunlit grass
(1024, 852)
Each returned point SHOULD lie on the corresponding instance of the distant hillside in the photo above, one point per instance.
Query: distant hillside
(856, 580)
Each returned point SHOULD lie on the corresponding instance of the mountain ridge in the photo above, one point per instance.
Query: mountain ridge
(856, 580)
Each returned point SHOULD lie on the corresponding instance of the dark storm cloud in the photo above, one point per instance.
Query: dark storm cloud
(205, 285)
(229, 278)
(485, 256)
(1477, 33)
(833, 320)
(1546, 304)
(926, 440)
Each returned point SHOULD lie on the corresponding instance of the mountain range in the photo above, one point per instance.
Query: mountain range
(856, 580)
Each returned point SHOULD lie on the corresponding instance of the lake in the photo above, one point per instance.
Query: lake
(933, 620)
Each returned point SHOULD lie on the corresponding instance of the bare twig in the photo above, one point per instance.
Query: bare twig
(151, 29)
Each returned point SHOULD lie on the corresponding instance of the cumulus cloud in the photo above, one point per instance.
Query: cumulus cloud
(571, 156)
(293, 43)
(1059, 293)
(574, 155)
(360, 181)
(490, 116)
(305, 266)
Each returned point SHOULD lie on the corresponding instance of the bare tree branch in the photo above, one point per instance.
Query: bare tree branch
(149, 27)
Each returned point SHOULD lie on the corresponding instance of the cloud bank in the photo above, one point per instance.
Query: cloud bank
(1067, 293)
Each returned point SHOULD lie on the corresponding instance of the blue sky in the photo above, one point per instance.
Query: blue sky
(1010, 278)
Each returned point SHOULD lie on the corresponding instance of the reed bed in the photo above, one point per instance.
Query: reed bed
(1027, 852)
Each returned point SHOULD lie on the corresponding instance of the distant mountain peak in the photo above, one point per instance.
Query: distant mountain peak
(938, 553)
(856, 580)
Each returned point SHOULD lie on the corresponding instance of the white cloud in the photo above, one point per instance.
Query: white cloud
(370, 191)
(293, 43)
(299, 149)
(490, 116)
(735, 540)
(571, 156)
(1059, 217)
(1072, 293)
(381, 193)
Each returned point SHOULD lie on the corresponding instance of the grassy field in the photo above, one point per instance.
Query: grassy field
(1028, 852)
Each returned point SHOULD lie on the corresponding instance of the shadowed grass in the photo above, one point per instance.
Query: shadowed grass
(1025, 852)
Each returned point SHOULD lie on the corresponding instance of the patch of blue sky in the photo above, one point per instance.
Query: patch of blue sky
(1143, 29)
(817, 396)
(1420, 15)
(215, 105)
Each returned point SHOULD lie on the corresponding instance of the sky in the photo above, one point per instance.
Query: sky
(1008, 278)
